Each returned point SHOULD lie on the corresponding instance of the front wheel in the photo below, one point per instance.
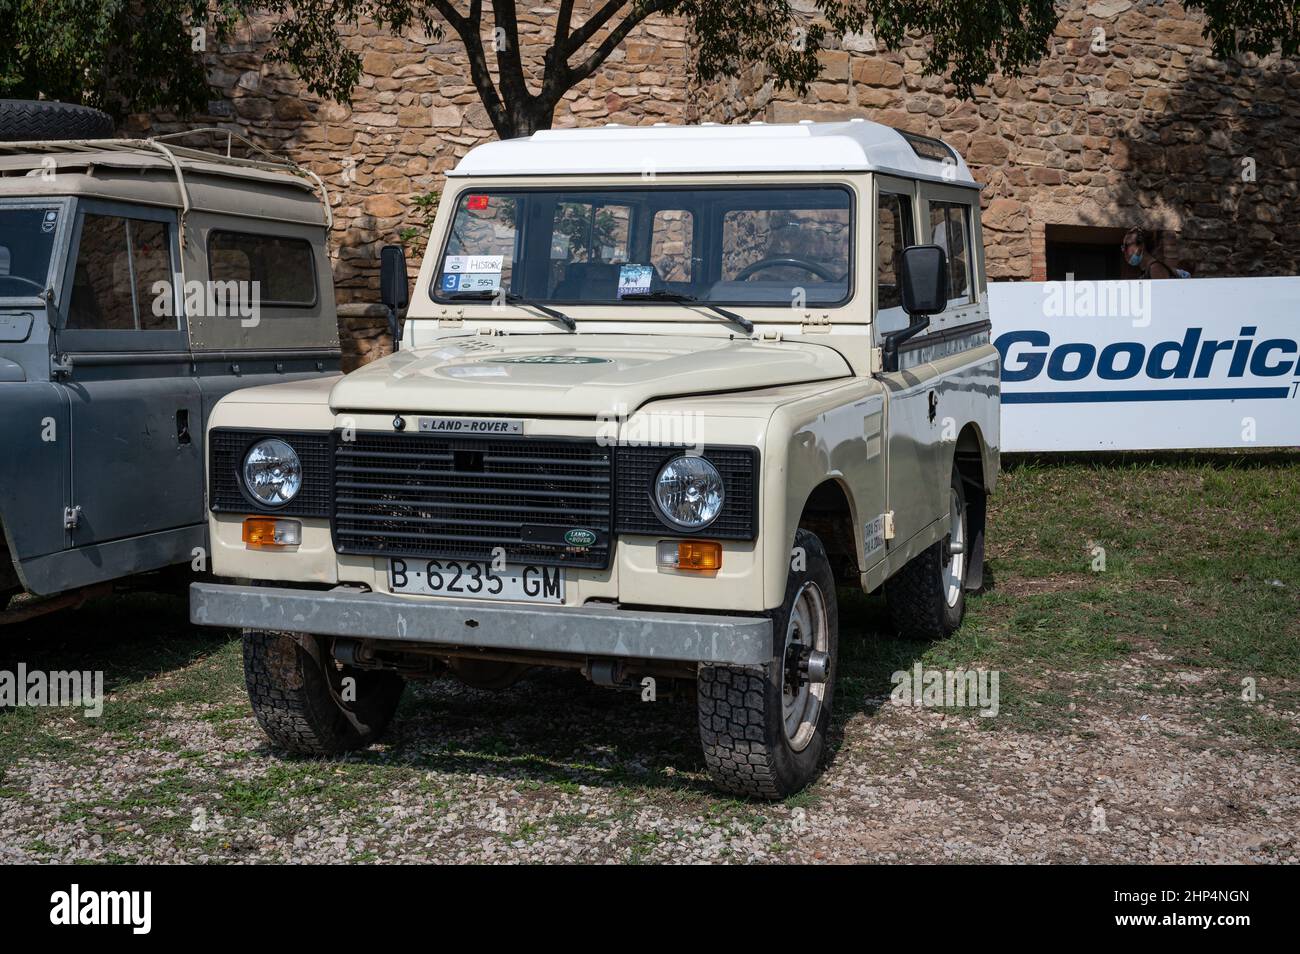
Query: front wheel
(310, 704)
(927, 597)
(764, 727)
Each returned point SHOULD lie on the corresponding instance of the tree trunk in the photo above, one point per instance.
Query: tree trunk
(524, 119)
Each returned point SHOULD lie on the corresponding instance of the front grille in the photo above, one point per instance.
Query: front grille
(637, 512)
(227, 448)
(432, 496)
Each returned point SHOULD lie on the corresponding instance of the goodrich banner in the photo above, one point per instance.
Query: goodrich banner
(1194, 363)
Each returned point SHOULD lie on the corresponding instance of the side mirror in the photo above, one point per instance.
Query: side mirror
(394, 289)
(923, 287)
(924, 280)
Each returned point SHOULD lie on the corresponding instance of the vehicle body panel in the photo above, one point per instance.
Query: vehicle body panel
(106, 425)
(807, 392)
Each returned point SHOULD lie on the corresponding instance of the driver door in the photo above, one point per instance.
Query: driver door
(134, 404)
(913, 435)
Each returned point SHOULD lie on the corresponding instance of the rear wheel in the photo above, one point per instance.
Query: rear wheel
(927, 597)
(310, 704)
(764, 727)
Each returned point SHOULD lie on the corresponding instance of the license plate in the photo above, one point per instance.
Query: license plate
(471, 580)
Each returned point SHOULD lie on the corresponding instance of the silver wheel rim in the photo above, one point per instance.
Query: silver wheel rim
(954, 570)
(801, 707)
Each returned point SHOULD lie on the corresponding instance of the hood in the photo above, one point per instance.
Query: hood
(575, 375)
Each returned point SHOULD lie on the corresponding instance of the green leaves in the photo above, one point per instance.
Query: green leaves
(769, 32)
(132, 55)
(1250, 26)
(116, 55)
(968, 39)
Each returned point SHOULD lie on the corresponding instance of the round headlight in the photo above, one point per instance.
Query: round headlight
(272, 472)
(689, 492)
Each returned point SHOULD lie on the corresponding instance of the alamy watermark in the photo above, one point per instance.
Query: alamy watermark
(30, 688)
(650, 429)
(214, 299)
(1099, 299)
(947, 689)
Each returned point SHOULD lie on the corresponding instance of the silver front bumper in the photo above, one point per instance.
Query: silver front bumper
(595, 630)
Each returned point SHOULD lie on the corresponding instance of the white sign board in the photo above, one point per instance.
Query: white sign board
(1133, 365)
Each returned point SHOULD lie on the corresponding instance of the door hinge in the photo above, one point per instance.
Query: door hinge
(60, 365)
(71, 517)
(889, 524)
(818, 325)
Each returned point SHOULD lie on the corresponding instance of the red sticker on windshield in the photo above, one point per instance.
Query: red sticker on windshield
(476, 203)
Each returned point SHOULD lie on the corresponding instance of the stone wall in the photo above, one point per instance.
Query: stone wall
(1128, 121)
(414, 114)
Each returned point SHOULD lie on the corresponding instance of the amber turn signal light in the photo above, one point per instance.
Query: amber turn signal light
(265, 533)
(701, 555)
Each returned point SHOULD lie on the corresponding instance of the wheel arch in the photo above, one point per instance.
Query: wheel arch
(978, 468)
(828, 512)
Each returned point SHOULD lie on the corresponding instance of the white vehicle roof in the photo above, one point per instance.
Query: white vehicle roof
(854, 146)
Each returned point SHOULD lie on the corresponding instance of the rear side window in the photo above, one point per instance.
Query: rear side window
(285, 268)
(122, 279)
(950, 229)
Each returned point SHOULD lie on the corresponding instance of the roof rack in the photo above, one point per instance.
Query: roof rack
(161, 145)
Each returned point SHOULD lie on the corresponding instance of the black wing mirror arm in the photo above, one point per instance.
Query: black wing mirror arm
(892, 339)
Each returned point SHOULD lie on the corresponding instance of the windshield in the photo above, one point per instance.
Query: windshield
(26, 243)
(737, 246)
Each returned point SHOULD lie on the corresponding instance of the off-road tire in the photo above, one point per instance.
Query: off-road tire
(740, 708)
(296, 700)
(24, 119)
(915, 594)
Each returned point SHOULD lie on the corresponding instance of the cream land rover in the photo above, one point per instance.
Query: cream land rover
(659, 392)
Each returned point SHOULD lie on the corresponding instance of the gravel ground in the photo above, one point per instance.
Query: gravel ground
(1137, 766)
(1122, 733)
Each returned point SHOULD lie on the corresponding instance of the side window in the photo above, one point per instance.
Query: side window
(671, 238)
(893, 234)
(284, 268)
(950, 229)
(120, 262)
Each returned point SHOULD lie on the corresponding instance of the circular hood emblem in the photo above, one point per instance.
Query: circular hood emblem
(549, 359)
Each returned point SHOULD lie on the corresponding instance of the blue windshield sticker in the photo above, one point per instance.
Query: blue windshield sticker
(634, 279)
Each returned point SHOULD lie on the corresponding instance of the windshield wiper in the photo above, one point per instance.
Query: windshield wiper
(510, 298)
(692, 300)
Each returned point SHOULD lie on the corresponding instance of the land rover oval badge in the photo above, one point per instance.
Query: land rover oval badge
(579, 538)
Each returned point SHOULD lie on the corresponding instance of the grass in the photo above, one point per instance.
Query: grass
(1200, 576)
(1199, 566)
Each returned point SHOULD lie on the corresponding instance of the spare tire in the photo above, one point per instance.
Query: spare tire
(23, 119)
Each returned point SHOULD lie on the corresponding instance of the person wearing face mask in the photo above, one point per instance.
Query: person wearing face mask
(1138, 249)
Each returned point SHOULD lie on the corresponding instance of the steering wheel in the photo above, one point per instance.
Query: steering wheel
(821, 271)
(20, 278)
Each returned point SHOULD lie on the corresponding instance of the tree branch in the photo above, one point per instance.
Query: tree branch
(449, 13)
(640, 12)
(467, 28)
(562, 21)
(589, 29)
(514, 88)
